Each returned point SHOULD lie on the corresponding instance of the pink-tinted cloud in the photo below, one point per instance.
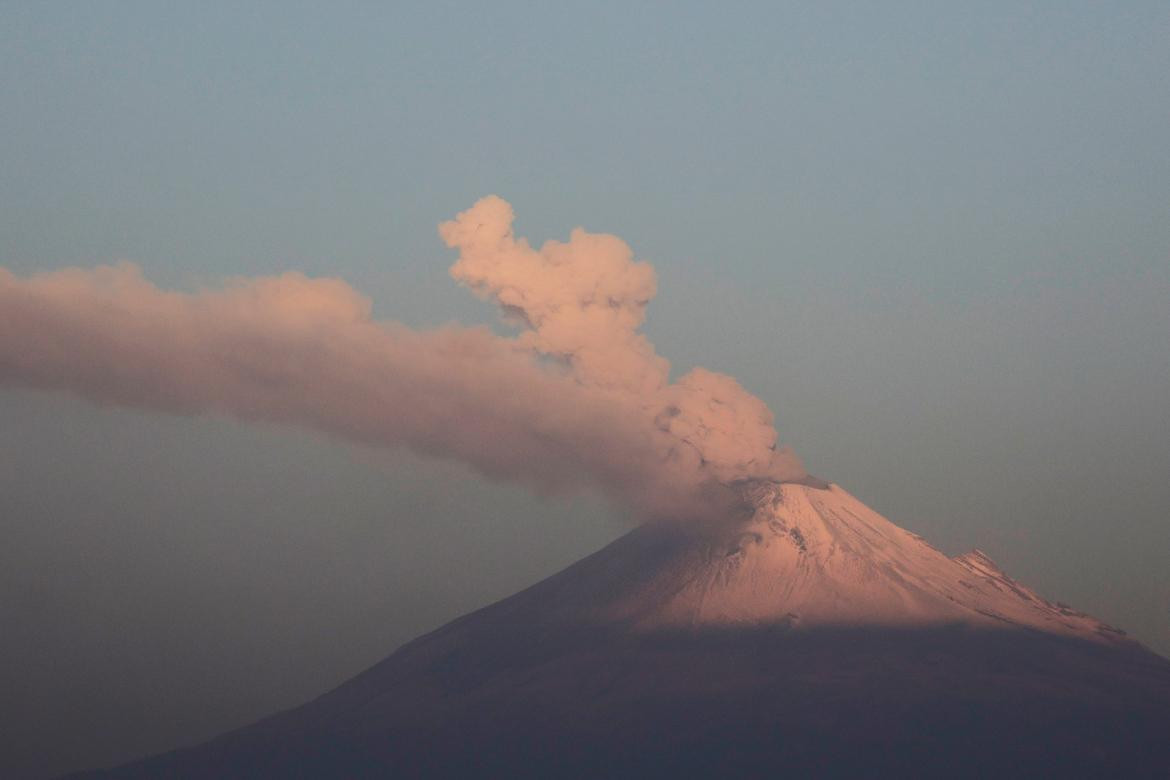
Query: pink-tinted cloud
(579, 398)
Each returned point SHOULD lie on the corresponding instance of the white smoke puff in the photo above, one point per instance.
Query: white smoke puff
(730, 429)
(583, 302)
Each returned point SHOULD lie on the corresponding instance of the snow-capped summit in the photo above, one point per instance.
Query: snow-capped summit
(814, 557)
(802, 557)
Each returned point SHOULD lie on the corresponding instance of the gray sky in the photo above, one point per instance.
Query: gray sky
(936, 241)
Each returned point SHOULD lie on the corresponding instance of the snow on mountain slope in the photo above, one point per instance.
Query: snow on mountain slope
(805, 557)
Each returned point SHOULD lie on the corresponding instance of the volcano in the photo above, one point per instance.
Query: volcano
(809, 636)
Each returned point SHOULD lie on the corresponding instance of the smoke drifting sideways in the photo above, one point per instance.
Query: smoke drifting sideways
(579, 398)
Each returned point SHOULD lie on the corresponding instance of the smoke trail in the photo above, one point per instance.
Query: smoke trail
(578, 398)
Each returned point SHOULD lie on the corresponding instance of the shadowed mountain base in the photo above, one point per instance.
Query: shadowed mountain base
(538, 701)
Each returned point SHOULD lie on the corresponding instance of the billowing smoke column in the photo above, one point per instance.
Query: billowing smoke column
(579, 398)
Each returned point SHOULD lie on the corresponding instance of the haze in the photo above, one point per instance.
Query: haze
(936, 242)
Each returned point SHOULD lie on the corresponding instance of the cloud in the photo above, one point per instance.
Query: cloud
(578, 398)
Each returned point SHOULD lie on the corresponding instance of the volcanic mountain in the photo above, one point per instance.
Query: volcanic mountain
(808, 637)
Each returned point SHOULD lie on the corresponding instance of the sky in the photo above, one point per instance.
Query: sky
(934, 239)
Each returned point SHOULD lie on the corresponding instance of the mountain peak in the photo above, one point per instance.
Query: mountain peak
(802, 556)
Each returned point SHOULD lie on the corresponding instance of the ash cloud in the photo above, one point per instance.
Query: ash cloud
(578, 398)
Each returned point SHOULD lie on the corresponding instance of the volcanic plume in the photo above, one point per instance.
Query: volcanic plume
(578, 397)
